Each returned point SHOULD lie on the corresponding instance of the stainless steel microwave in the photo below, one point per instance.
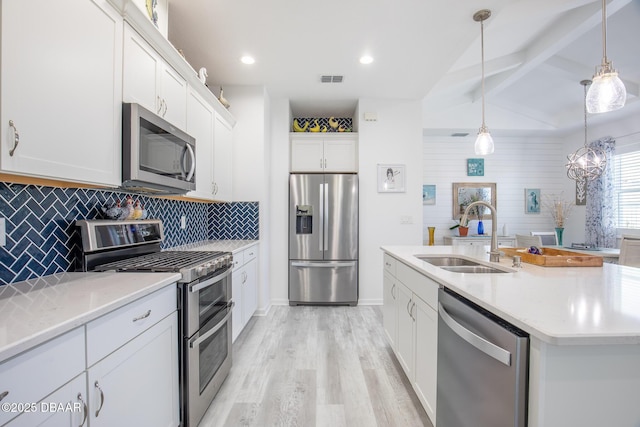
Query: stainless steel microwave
(157, 157)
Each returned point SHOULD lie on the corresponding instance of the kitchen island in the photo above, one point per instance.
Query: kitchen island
(584, 326)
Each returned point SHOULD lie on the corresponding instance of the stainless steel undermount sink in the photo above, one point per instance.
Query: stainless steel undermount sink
(474, 269)
(460, 265)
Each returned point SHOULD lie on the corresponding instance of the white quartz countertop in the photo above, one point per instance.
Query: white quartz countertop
(36, 310)
(217, 245)
(558, 305)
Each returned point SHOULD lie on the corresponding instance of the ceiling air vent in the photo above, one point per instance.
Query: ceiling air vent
(331, 79)
(460, 134)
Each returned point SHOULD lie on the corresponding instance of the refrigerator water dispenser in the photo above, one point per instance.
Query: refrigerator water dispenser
(304, 219)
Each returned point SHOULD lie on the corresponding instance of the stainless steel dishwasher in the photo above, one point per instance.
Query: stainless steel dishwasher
(482, 367)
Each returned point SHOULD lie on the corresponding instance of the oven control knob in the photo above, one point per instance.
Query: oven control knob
(210, 267)
(201, 271)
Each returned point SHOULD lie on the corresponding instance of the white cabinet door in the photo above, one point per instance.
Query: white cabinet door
(426, 339)
(390, 308)
(250, 291)
(141, 72)
(65, 407)
(340, 155)
(222, 159)
(236, 314)
(324, 153)
(138, 383)
(149, 81)
(405, 343)
(61, 93)
(200, 125)
(307, 155)
(244, 288)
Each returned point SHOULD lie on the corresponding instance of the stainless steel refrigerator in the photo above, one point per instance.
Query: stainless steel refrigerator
(323, 239)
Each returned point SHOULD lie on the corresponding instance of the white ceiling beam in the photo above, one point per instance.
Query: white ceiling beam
(495, 66)
(563, 32)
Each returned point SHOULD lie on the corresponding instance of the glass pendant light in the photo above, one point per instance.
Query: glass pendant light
(586, 163)
(484, 141)
(607, 93)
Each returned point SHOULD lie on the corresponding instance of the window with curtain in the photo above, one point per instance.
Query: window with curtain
(627, 185)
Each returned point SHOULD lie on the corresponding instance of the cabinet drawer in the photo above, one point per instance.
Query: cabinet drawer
(390, 264)
(32, 375)
(109, 332)
(420, 285)
(250, 254)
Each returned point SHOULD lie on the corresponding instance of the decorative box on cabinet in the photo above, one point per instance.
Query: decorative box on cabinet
(151, 82)
(245, 288)
(324, 152)
(478, 240)
(61, 90)
(411, 324)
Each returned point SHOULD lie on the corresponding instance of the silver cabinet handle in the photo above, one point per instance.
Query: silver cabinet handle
(84, 409)
(411, 313)
(16, 137)
(490, 349)
(320, 163)
(159, 106)
(325, 163)
(4, 394)
(408, 310)
(392, 288)
(144, 316)
(96, 385)
(165, 105)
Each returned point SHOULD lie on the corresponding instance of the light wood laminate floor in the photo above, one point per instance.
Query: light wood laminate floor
(315, 366)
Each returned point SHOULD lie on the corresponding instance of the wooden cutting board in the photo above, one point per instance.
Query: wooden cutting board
(555, 257)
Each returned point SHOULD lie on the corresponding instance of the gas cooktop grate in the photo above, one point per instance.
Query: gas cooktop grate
(162, 261)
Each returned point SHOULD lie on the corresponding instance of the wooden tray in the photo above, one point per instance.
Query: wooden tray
(555, 257)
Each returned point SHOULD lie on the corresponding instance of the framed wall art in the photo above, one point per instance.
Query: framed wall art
(475, 167)
(532, 200)
(391, 178)
(465, 193)
(428, 194)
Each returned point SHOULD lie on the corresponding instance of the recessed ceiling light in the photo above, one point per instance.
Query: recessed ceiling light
(247, 60)
(366, 59)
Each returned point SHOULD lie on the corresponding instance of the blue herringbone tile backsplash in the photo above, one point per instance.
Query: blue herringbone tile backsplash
(42, 238)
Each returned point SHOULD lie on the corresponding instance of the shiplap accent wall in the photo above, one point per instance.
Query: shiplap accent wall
(516, 164)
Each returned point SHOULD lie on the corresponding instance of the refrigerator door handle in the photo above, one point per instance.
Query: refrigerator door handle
(321, 203)
(325, 225)
(490, 349)
(323, 264)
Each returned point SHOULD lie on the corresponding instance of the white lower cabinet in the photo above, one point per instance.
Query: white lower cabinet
(119, 369)
(245, 288)
(65, 407)
(411, 323)
(138, 383)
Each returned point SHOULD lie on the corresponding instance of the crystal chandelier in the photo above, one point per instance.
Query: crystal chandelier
(607, 93)
(484, 141)
(586, 163)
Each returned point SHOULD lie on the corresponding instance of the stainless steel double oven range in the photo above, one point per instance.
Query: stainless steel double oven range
(204, 299)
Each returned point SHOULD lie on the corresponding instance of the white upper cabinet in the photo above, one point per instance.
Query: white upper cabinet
(149, 81)
(324, 152)
(223, 160)
(61, 93)
(200, 125)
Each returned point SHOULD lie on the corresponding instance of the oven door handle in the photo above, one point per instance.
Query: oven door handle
(209, 282)
(220, 324)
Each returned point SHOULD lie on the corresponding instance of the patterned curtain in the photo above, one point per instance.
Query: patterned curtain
(601, 215)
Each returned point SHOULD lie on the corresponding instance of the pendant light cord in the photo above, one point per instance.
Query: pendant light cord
(585, 84)
(605, 60)
(482, 54)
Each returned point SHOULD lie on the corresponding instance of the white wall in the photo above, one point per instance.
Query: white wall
(396, 137)
(250, 106)
(279, 183)
(516, 164)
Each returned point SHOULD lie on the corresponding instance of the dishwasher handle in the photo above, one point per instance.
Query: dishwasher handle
(500, 354)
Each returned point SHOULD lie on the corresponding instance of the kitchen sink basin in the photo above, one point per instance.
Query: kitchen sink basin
(448, 261)
(473, 269)
(460, 265)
